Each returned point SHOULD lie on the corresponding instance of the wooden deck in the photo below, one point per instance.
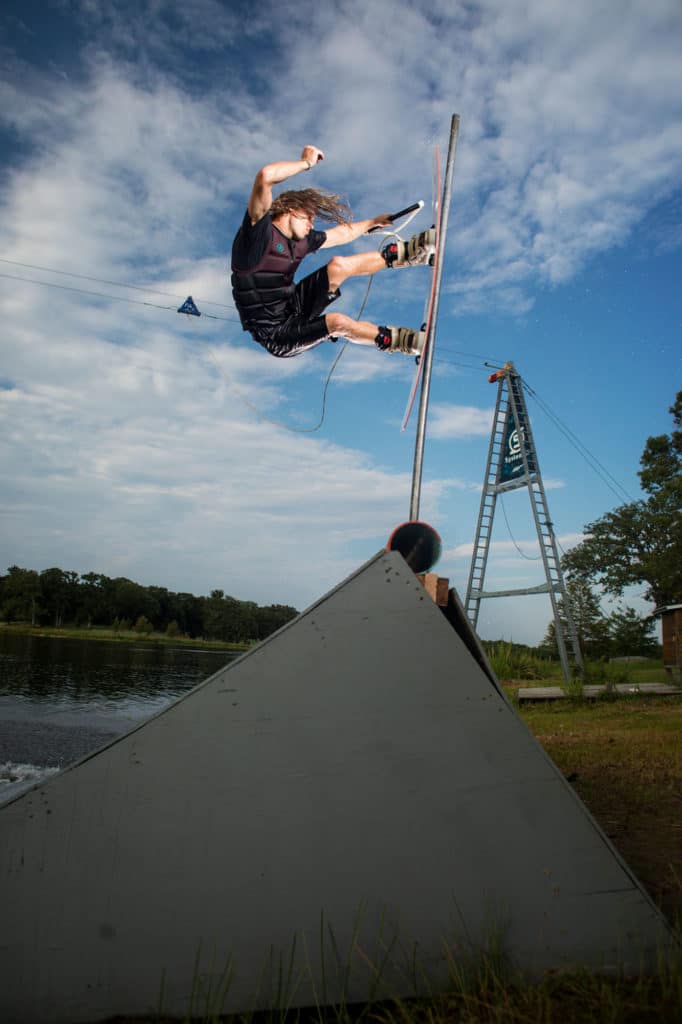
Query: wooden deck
(538, 693)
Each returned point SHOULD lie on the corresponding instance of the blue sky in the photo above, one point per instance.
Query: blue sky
(138, 442)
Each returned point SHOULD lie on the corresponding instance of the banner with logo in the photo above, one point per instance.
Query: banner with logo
(511, 467)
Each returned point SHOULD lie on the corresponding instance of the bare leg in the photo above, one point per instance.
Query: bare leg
(360, 332)
(418, 251)
(340, 268)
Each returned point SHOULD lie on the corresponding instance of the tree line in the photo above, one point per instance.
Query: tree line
(57, 597)
(639, 543)
(623, 633)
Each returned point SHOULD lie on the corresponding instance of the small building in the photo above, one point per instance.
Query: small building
(671, 627)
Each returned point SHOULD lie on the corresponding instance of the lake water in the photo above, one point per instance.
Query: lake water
(60, 699)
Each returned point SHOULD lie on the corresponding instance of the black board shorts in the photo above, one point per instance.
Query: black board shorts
(305, 327)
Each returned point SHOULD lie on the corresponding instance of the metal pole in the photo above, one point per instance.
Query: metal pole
(426, 379)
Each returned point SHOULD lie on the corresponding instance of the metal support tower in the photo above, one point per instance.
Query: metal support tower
(513, 463)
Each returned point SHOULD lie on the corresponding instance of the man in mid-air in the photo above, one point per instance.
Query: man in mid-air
(288, 318)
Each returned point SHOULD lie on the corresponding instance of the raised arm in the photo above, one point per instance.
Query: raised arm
(260, 199)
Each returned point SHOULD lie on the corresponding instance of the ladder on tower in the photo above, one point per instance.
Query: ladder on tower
(513, 463)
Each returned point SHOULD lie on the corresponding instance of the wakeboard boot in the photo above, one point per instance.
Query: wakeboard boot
(400, 339)
(419, 251)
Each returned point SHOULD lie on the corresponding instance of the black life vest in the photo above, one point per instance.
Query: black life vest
(263, 293)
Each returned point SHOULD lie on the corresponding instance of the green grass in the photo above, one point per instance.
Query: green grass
(512, 662)
(483, 987)
(515, 667)
(566, 999)
(481, 992)
(123, 635)
(624, 759)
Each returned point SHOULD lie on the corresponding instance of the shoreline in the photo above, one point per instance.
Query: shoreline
(118, 636)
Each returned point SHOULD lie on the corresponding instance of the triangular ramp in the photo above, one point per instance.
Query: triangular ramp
(335, 814)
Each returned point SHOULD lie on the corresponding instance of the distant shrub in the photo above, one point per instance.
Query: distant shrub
(510, 661)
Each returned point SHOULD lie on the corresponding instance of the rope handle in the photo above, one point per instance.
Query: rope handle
(413, 208)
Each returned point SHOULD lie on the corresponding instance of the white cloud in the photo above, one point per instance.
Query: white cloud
(528, 547)
(449, 421)
(140, 442)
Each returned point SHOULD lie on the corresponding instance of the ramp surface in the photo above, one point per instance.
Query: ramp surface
(354, 791)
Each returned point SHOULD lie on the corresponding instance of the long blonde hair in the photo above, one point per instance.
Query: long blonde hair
(328, 206)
